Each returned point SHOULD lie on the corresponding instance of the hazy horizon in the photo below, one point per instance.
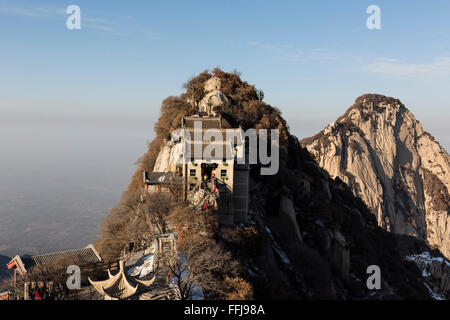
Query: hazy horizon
(58, 182)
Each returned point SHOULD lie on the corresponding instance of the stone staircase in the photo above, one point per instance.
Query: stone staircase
(160, 289)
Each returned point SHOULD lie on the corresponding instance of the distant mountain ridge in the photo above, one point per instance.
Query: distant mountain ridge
(397, 168)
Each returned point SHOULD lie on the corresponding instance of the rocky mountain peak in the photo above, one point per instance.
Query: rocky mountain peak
(369, 108)
(368, 104)
(400, 171)
(373, 99)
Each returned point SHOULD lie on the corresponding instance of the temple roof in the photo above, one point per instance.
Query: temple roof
(207, 122)
(80, 257)
(224, 148)
(161, 178)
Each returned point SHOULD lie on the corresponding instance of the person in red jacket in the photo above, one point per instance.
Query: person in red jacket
(38, 295)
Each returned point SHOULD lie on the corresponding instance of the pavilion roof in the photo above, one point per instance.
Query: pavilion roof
(120, 286)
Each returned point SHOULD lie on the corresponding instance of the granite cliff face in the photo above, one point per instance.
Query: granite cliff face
(403, 175)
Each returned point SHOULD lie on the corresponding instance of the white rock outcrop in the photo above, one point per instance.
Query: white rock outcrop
(214, 97)
(169, 157)
(398, 169)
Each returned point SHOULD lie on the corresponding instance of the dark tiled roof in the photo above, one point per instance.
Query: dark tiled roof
(162, 178)
(207, 123)
(220, 134)
(80, 257)
(227, 151)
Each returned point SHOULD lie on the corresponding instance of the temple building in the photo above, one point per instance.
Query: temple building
(218, 179)
(161, 181)
(87, 257)
(203, 169)
(37, 272)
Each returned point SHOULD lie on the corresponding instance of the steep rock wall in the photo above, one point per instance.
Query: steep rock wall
(397, 168)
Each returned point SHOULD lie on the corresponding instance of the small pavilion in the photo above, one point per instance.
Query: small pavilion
(121, 286)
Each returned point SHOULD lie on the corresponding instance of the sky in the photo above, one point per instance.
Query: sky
(88, 98)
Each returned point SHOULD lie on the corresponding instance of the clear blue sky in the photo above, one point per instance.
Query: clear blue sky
(312, 58)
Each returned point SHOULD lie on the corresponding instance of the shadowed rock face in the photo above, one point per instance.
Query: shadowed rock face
(3, 269)
(403, 175)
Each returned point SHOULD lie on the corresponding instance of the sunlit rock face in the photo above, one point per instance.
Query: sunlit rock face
(382, 152)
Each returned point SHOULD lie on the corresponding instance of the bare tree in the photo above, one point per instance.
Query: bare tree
(131, 222)
(52, 278)
(158, 207)
(201, 263)
(237, 288)
(7, 284)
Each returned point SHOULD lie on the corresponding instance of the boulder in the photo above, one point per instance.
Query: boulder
(287, 213)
